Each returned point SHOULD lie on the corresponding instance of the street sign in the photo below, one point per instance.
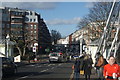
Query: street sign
(17, 59)
(34, 49)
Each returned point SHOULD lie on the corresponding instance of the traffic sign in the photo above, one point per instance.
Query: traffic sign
(34, 49)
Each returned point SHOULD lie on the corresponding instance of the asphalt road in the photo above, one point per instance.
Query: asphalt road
(43, 71)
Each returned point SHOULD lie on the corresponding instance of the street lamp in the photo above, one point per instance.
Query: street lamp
(7, 40)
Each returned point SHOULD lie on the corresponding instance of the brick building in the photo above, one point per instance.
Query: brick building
(25, 25)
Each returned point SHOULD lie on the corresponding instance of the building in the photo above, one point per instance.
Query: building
(27, 26)
(44, 40)
(4, 22)
(85, 37)
(16, 23)
(31, 28)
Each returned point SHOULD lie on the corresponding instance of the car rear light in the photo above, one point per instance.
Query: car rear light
(60, 53)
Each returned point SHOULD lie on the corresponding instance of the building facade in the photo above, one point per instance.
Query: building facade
(25, 25)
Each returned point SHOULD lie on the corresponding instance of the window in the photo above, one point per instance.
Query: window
(31, 26)
(26, 13)
(30, 13)
(34, 20)
(34, 26)
(34, 31)
(31, 32)
(7, 25)
(31, 38)
(26, 19)
(35, 38)
(30, 20)
(26, 26)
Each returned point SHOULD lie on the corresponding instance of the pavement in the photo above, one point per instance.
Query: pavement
(93, 75)
(42, 59)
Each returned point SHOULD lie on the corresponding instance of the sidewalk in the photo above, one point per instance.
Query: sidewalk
(40, 59)
(23, 63)
(82, 77)
(93, 75)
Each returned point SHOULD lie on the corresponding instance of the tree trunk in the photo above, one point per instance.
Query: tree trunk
(20, 52)
(24, 51)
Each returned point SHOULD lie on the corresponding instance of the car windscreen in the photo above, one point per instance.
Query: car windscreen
(53, 54)
(6, 60)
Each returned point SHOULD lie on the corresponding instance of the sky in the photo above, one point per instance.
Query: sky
(61, 16)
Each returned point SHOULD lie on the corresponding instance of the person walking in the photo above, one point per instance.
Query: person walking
(111, 70)
(76, 68)
(99, 64)
(87, 66)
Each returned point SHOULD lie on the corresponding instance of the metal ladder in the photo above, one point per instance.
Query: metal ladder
(103, 42)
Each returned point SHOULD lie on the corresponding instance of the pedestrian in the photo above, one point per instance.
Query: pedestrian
(87, 66)
(81, 62)
(111, 70)
(76, 68)
(100, 62)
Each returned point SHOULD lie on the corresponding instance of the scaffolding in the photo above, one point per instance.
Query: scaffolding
(113, 23)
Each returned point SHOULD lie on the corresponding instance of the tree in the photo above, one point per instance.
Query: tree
(21, 44)
(97, 18)
(55, 35)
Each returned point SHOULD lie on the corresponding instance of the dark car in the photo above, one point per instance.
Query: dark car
(8, 66)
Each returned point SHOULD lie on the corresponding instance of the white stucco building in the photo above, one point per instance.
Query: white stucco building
(3, 49)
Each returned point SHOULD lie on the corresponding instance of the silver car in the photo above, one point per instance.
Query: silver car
(55, 57)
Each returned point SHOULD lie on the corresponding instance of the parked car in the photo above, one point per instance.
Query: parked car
(8, 66)
(56, 57)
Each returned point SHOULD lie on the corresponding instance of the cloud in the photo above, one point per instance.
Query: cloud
(89, 5)
(30, 5)
(63, 21)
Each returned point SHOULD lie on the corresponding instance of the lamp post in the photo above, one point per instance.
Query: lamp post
(7, 40)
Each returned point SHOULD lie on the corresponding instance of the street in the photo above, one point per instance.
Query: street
(46, 71)
(41, 71)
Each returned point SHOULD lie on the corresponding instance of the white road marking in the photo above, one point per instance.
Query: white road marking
(44, 70)
(52, 64)
(59, 64)
(31, 65)
(22, 77)
(49, 65)
(52, 67)
(38, 66)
